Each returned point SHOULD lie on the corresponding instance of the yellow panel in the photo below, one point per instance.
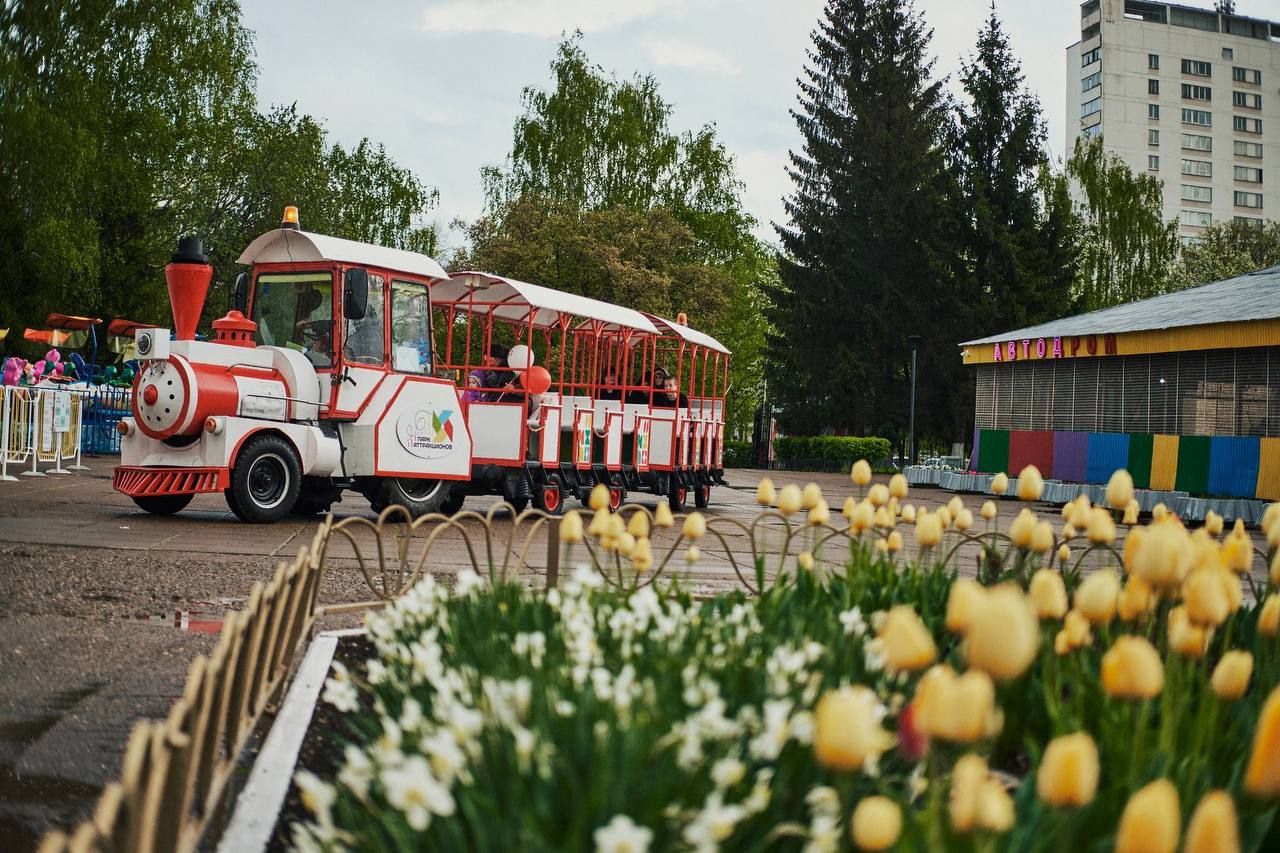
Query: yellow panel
(1251, 333)
(1269, 470)
(1164, 462)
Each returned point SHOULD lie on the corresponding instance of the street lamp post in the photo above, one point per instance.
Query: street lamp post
(915, 344)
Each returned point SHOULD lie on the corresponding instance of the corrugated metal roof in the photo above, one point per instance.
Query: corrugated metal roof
(1252, 296)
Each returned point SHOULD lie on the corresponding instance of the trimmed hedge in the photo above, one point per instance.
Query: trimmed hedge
(737, 454)
(829, 452)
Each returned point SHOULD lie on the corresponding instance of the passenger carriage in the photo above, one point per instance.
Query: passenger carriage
(345, 366)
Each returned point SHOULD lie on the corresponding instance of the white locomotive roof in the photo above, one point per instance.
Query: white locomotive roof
(521, 300)
(693, 336)
(285, 245)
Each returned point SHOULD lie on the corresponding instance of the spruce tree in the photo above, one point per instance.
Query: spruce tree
(867, 252)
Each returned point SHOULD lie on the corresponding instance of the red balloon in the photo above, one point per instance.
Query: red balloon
(536, 380)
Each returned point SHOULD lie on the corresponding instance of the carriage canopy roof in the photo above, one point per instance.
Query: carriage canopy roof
(285, 245)
(521, 302)
(683, 332)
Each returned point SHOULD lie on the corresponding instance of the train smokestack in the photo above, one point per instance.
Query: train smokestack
(188, 275)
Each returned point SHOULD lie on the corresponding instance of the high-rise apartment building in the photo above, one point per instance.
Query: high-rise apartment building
(1189, 95)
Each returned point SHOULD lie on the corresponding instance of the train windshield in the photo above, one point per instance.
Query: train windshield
(296, 311)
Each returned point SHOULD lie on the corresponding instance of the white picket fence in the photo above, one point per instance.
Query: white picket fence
(41, 427)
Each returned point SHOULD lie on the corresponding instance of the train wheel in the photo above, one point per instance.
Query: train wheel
(316, 497)
(163, 504)
(549, 498)
(265, 480)
(702, 497)
(453, 504)
(419, 496)
(616, 497)
(678, 497)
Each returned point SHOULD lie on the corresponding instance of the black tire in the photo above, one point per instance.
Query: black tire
(163, 504)
(678, 496)
(265, 480)
(548, 497)
(453, 504)
(419, 496)
(316, 497)
(702, 496)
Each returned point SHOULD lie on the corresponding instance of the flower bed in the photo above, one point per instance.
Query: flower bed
(873, 702)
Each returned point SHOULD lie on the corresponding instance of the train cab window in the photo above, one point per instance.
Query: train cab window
(410, 327)
(296, 311)
(364, 337)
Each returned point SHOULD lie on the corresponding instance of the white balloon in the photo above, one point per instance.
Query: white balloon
(520, 357)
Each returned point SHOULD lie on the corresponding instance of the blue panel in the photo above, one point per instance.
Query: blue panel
(1108, 452)
(1233, 466)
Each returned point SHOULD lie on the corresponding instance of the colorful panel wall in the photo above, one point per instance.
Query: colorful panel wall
(1224, 466)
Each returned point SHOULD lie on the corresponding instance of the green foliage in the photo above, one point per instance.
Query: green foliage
(1127, 248)
(601, 197)
(737, 454)
(1228, 249)
(126, 125)
(840, 450)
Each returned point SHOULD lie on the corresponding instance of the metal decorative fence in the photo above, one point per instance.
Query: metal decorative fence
(103, 408)
(175, 772)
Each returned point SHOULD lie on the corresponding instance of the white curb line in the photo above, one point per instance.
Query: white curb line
(258, 806)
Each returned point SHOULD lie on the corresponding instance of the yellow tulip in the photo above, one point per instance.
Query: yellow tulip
(1132, 669)
(988, 510)
(571, 528)
(961, 601)
(695, 526)
(1048, 594)
(1119, 489)
(850, 505)
(1101, 528)
(1275, 569)
(1064, 553)
(1269, 618)
(1205, 597)
(1000, 483)
(1023, 529)
(878, 495)
(1213, 827)
(805, 560)
(626, 543)
(638, 526)
(1061, 644)
(1185, 637)
(908, 645)
(847, 730)
(955, 505)
(1068, 531)
(1159, 512)
(819, 514)
(1068, 774)
(966, 782)
(893, 544)
(692, 554)
(1030, 484)
(909, 514)
(789, 499)
(1231, 676)
(963, 520)
(1004, 635)
(1096, 596)
(765, 493)
(882, 547)
(599, 523)
(810, 495)
(1151, 822)
(1162, 555)
(1136, 599)
(1077, 512)
(876, 823)
(599, 497)
(642, 555)
(662, 516)
(928, 530)
(898, 487)
(1131, 513)
(1262, 777)
(995, 807)
(1232, 587)
(944, 517)
(861, 473)
(1042, 538)
(883, 519)
(864, 516)
(1131, 543)
(1237, 551)
(1076, 627)
(955, 708)
(1212, 523)
(1269, 516)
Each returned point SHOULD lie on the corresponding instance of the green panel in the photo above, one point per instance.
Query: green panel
(1193, 464)
(1140, 448)
(993, 451)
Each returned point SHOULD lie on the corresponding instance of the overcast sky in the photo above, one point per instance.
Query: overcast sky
(438, 81)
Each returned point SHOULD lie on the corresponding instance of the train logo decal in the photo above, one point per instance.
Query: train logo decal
(426, 433)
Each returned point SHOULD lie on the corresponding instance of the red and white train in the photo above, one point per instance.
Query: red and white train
(349, 366)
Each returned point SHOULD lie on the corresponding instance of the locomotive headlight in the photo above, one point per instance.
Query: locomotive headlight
(144, 344)
(152, 344)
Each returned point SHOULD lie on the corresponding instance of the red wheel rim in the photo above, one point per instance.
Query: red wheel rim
(706, 493)
(551, 498)
(615, 498)
(681, 495)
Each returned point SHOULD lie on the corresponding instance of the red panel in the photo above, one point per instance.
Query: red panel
(137, 481)
(1031, 448)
